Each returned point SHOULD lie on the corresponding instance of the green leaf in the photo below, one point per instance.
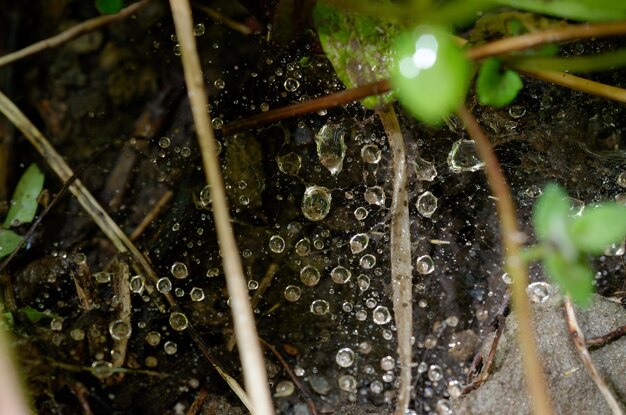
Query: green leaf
(359, 47)
(24, 202)
(109, 6)
(496, 87)
(553, 206)
(9, 240)
(36, 315)
(582, 10)
(599, 227)
(574, 277)
(432, 74)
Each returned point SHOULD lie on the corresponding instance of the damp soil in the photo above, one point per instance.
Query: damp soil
(113, 104)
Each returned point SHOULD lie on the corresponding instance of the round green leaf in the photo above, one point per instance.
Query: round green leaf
(599, 227)
(431, 73)
(496, 87)
(574, 277)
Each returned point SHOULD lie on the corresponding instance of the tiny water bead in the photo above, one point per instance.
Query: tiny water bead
(375, 195)
(253, 285)
(179, 270)
(289, 163)
(137, 284)
(316, 203)
(120, 330)
(310, 276)
(426, 204)
(320, 307)
(367, 261)
(170, 347)
(101, 369)
(347, 383)
(340, 275)
(196, 294)
(424, 170)
(292, 293)
(178, 321)
(359, 242)
(219, 84)
(363, 282)
(277, 244)
(284, 388)
(360, 213)
(331, 148)
(205, 196)
(164, 142)
(198, 29)
(507, 279)
(425, 265)
(381, 315)
(345, 357)
(291, 84)
(435, 373)
(621, 179)
(371, 154)
(164, 285)
(463, 157)
(303, 247)
(387, 363)
(539, 292)
(217, 123)
(153, 338)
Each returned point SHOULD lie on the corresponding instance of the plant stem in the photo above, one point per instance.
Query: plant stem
(253, 364)
(599, 62)
(511, 241)
(401, 270)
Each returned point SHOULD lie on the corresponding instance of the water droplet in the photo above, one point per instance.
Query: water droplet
(320, 307)
(102, 277)
(137, 284)
(316, 203)
(179, 270)
(164, 285)
(381, 315)
(196, 294)
(387, 363)
(426, 204)
(463, 157)
(533, 191)
(309, 275)
(370, 153)
(425, 265)
(284, 388)
(205, 196)
(347, 383)
(303, 247)
(264, 106)
(375, 196)
(360, 213)
(345, 357)
(292, 293)
(253, 285)
(539, 292)
(435, 374)
(153, 338)
(318, 244)
(176, 49)
(455, 389)
(424, 170)
(507, 279)
(331, 148)
(376, 387)
(170, 347)
(621, 179)
(367, 261)
(359, 242)
(340, 275)
(291, 84)
(77, 334)
(198, 30)
(289, 163)
(164, 142)
(363, 281)
(217, 123)
(615, 249)
(576, 207)
(277, 244)
(101, 369)
(56, 324)
(219, 84)
(120, 330)
(178, 321)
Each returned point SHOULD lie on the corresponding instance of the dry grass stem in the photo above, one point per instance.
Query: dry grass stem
(255, 375)
(535, 380)
(123, 309)
(72, 33)
(152, 215)
(12, 399)
(227, 21)
(400, 245)
(578, 337)
(607, 338)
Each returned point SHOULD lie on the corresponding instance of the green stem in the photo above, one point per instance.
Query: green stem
(577, 64)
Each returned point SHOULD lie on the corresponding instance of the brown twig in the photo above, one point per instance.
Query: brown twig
(578, 337)
(121, 290)
(72, 33)
(251, 355)
(154, 212)
(196, 406)
(511, 239)
(560, 34)
(491, 357)
(81, 392)
(307, 395)
(221, 17)
(600, 341)
(312, 105)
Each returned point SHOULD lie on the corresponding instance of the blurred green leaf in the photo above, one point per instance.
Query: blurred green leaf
(552, 207)
(109, 6)
(575, 277)
(358, 46)
(432, 74)
(24, 203)
(582, 10)
(497, 87)
(599, 227)
(9, 240)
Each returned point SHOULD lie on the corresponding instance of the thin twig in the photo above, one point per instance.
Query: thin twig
(600, 341)
(511, 238)
(491, 357)
(312, 105)
(221, 17)
(123, 310)
(400, 246)
(560, 34)
(578, 337)
(154, 212)
(292, 376)
(196, 406)
(255, 375)
(72, 33)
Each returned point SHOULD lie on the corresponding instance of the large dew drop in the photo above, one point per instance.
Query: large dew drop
(375, 195)
(310, 276)
(426, 204)
(345, 357)
(289, 163)
(340, 275)
(424, 170)
(359, 242)
(316, 203)
(331, 148)
(463, 157)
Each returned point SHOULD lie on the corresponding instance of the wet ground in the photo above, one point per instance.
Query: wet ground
(310, 199)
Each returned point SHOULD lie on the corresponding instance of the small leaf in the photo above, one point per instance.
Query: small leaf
(9, 240)
(432, 74)
(35, 315)
(574, 277)
(24, 202)
(552, 206)
(597, 228)
(109, 6)
(495, 87)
